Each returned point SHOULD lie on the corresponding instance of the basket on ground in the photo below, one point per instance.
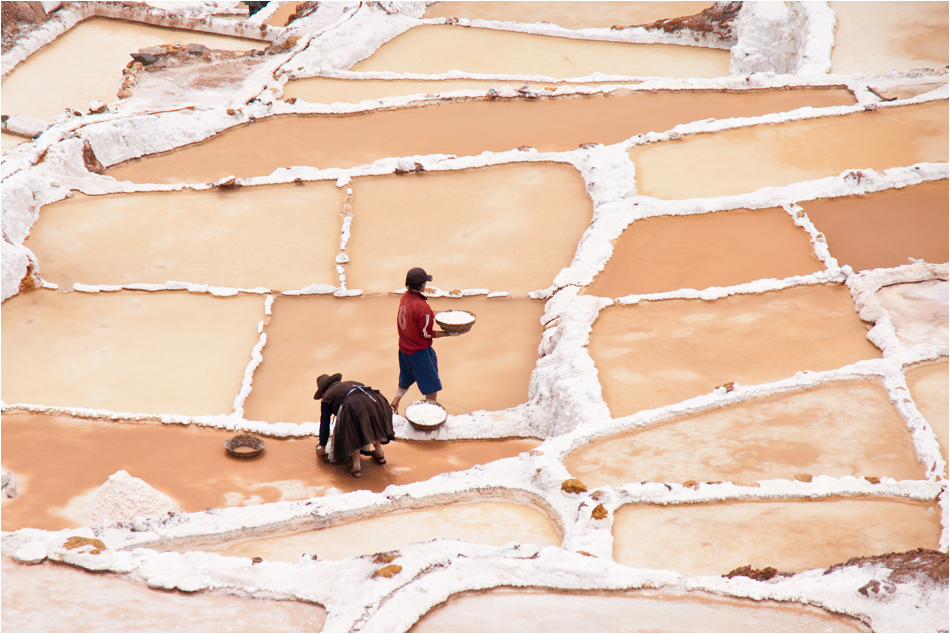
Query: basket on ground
(425, 414)
(455, 321)
(244, 446)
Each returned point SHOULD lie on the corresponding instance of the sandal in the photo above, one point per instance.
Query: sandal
(379, 459)
(356, 474)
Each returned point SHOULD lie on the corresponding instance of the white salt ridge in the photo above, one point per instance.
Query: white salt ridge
(424, 413)
(455, 317)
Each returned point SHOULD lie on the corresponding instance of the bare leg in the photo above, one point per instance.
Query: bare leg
(400, 392)
(432, 397)
(355, 470)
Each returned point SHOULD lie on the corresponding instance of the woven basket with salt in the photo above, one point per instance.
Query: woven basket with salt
(426, 414)
(455, 320)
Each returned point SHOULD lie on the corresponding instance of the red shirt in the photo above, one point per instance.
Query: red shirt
(414, 322)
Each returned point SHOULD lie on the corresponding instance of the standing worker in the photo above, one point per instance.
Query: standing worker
(417, 361)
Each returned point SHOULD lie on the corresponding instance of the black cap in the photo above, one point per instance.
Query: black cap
(417, 276)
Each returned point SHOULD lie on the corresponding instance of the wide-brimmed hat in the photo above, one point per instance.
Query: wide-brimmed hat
(323, 382)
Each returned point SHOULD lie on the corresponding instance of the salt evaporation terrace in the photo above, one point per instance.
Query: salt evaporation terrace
(708, 256)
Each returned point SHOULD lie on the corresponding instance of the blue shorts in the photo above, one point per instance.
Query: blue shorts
(421, 367)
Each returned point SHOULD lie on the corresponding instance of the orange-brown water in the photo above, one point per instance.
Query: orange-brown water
(282, 237)
(656, 255)
(570, 15)
(666, 610)
(86, 63)
(459, 128)
(845, 428)
(746, 159)
(502, 228)
(790, 535)
(495, 523)
(162, 353)
(928, 386)
(59, 598)
(884, 229)
(657, 353)
(878, 37)
(437, 49)
(57, 458)
(486, 368)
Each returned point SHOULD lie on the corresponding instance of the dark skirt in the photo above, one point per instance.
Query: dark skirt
(365, 416)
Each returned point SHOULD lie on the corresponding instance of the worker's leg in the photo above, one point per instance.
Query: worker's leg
(432, 397)
(355, 469)
(400, 392)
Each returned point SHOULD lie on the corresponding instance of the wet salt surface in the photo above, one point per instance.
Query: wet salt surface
(657, 255)
(839, 429)
(281, 238)
(57, 598)
(435, 49)
(567, 14)
(505, 228)
(493, 523)
(191, 465)
(746, 159)
(884, 229)
(918, 311)
(534, 610)
(48, 81)
(488, 368)
(464, 129)
(878, 37)
(713, 539)
(661, 352)
(128, 351)
(929, 384)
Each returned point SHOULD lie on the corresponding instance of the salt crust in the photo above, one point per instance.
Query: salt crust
(565, 404)
(124, 497)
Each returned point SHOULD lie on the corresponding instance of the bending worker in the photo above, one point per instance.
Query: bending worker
(362, 420)
(417, 361)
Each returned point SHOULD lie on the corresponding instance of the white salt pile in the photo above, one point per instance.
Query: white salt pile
(123, 497)
(455, 317)
(426, 413)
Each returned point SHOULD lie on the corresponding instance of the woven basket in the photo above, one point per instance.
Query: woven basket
(453, 328)
(419, 425)
(244, 446)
